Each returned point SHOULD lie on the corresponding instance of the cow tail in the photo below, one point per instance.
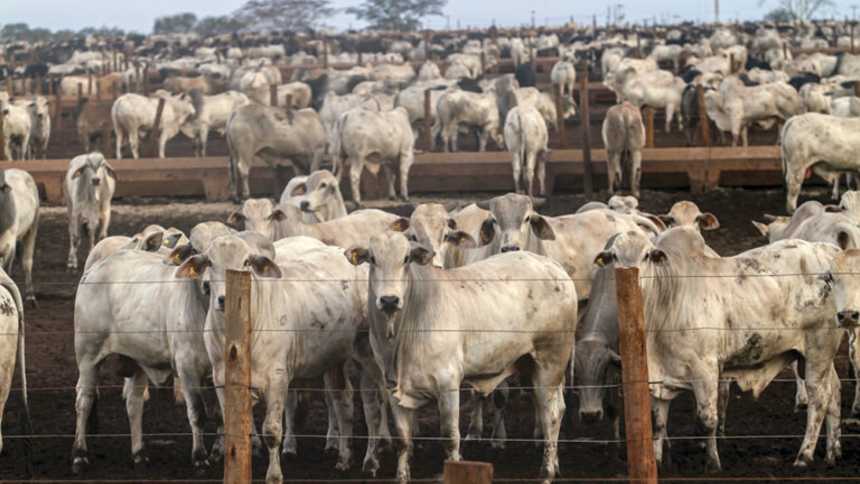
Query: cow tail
(523, 142)
(782, 152)
(27, 423)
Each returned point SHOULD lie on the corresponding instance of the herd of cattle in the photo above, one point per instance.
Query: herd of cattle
(414, 308)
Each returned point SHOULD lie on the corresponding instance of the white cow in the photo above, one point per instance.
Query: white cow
(657, 89)
(17, 129)
(132, 113)
(563, 77)
(353, 229)
(211, 112)
(478, 327)
(317, 195)
(12, 347)
(40, 125)
(739, 106)
(624, 133)
(526, 138)
(153, 238)
(455, 108)
(19, 223)
(89, 187)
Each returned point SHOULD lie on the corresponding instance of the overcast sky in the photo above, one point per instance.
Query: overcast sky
(139, 15)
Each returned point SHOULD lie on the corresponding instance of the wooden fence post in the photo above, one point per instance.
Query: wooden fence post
(427, 48)
(641, 466)
(704, 122)
(90, 84)
(649, 127)
(467, 472)
(273, 96)
(288, 102)
(325, 52)
(237, 378)
(852, 37)
(559, 110)
(428, 122)
(2, 140)
(587, 181)
(156, 128)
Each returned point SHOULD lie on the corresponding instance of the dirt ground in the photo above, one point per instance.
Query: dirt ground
(51, 364)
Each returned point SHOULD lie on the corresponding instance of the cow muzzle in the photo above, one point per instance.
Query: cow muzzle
(305, 206)
(590, 416)
(96, 182)
(510, 248)
(219, 303)
(848, 319)
(388, 304)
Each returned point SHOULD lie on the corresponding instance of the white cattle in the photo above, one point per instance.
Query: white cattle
(624, 134)
(820, 143)
(526, 138)
(19, 223)
(456, 108)
(400, 74)
(12, 349)
(89, 186)
(738, 106)
(299, 94)
(477, 327)
(353, 229)
(656, 89)
(816, 98)
(40, 125)
(429, 72)
(845, 107)
(667, 53)
(544, 103)
(689, 352)
(17, 129)
(211, 112)
(133, 113)
(317, 195)
(412, 99)
(563, 77)
(376, 140)
(328, 311)
(153, 238)
(255, 215)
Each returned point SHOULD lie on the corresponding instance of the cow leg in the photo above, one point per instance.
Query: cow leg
(549, 409)
(243, 172)
(117, 131)
(162, 141)
(91, 237)
(854, 355)
(134, 142)
(449, 420)
(834, 421)
(389, 181)
(7, 147)
(407, 158)
(372, 405)
(800, 397)
(793, 184)
(104, 223)
(84, 400)
(204, 139)
(134, 409)
(706, 391)
(483, 134)
(340, 390)
(725, 391)
(661, 421)
(670, 113)
(272, 428)
(818, 388)
(290, 447)
(531, 161)
(636, 171)
(500, 433)
(195, 409)
(517, 169)
(404, 421)
(614, 174)
(74, 240)
(476, 417)
(355, 169)
(29, 247)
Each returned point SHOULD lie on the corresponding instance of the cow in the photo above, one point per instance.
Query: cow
(255, 216)
(353, 229)
(526, 138)
(40, 125)
(429, 71)
(563, 77)
(656, 89)
(624, 137)
(317, 196)
(299, 94)
(376, 140)
(92, 123)
(688, 214)
(399, 74)
(688, 352)
(739, 106)
(13, 349)
(480, 111)
(465, 311)
(17, 129)
(184, 85)
(269, 133)
(153, 238)
(328, 314)
(132, 113)
(819, 143)
(89, 187)
(543, 102)
(211, 112)
(19, 223)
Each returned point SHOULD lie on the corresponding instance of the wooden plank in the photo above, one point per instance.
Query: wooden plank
(428, 127)
(155, 133)
(588, 182)
(237, 378)
(641, 464)
(467, 472)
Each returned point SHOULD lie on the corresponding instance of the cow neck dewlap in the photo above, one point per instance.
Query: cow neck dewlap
(664, 292)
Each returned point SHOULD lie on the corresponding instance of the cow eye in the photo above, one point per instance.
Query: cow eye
(206, 289)
(406, 260)
(323, 185)
(373, 260)
(413, 238)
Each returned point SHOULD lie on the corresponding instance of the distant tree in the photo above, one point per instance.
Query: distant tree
(39, 34)
(64, 34)
(224, 24)
(291, 15)
(103, 31)
(403, 15)
(173, 24)
(795, 10)
(17, 31)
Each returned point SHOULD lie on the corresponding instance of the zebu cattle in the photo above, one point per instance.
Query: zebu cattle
(816, 98)
(211, 112)
(330, 307)
(269, 133)
(400, 74)
(845, 107)
(180, 85)
(132, 113)
(318, 196)
(153, 238)
(429, 72)
(526, 138)
(688, 352)
(17, 129)
(820, 143)
(401, 306)
(168, 335)
(543, 102)
(334, 106)
(255, 216)
(480, 111)
(657, 89)
(688, 214)
(40, 125)
(89, 187)
(563, 77)
(624, 134)
(19, 222)
(353, 229)
(12, 349)
(376, 140)
(667, 53)
(738, 106)
(299, 94)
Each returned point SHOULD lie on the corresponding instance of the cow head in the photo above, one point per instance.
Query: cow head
(630, 249)
(597, 365)
(513, 224)
(844, 279)
(390, 256)
(322, 195)
(686, 213)
(284, 218)
(430, 226)
(228, 252)
(94, 170)
(850, 204)
(254, 215)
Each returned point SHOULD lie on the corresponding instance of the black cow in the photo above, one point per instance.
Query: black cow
(800, 80)
(526, 75)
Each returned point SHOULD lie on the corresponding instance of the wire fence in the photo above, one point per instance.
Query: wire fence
(569, 386)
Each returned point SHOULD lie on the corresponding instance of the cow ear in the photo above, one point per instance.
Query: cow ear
(843, 239)
(657, 221)
(708, 221)
(488, 230)
(277, 215)
(153, 242)
(299, 189)
(604, 258)
(656, 256)
(263, 266)
(109, 169)
(237, 218)
(171, 240)
(668, 220)
(452, 224)
(541, 227)
(833, 208)
(615, 358)
(179, 254)
(193, 267)
(400, 225)
(762, 228)
(461, 239)
(421, 255)
(357, 255)
(78, 172)
(483, 204)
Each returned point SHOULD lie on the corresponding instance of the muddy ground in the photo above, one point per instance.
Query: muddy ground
(51, 364)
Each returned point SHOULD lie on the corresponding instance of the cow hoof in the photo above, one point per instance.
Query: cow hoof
(800, 462)
(79, 465)
(140, 459)
(342, 465)
(201, 467)
(31, 302)
(370, 466)
(498, 445)
(473, 437)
